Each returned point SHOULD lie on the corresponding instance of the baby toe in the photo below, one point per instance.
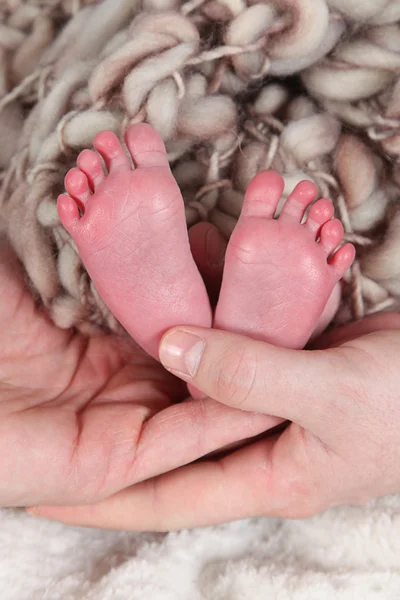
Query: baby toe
(68, 212)
(262, 195)
(331, 235)
(343, 259)
(111, 150)
(77, 186)
(320, 213)
(90, 163)
(302, 196)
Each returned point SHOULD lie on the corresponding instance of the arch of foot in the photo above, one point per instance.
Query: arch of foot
(207, 75)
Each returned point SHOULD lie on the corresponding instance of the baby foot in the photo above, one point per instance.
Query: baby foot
(279, 273)
(130, 230)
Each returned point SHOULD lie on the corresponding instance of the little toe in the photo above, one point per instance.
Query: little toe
(262, 195)
(68, 212)
(303, 194)
(77, 186)
(331, 235)
(90, 163)
(146, 146)
(320, 213)
(343, 259)
(112, 151)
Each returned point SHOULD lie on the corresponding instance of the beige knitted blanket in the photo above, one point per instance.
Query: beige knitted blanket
(310, 88)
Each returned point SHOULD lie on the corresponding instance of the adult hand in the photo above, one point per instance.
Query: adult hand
(82, 418)
(342, 444)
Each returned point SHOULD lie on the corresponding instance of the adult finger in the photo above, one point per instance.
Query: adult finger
(299, 386)
(356, 329)
(107, 459)
(281, 476)
(185, 432)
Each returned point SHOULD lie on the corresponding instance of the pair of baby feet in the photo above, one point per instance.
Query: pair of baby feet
(130, 229)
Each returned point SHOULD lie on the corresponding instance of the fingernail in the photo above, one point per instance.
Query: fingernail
(181, 352)
(215, 248)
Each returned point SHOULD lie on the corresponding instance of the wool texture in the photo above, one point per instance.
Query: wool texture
(310, 88)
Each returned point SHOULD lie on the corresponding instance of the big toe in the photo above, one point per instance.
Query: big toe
(262, 195)
(146, 146)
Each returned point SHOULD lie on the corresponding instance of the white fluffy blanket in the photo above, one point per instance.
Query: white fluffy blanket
(350, 553)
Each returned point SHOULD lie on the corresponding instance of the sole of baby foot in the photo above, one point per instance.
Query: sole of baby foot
(280, 272)
(328, 313)
(126, 215)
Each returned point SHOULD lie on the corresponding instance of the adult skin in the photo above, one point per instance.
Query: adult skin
(82, 418)
(341, 445)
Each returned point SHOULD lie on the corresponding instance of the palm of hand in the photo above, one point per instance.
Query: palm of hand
(66, 402)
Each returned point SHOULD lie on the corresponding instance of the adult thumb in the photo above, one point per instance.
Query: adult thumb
(296, 385)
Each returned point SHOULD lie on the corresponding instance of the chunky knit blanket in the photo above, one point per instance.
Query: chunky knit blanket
(310, 88)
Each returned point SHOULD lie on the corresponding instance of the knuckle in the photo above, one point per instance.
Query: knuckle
(112, 448)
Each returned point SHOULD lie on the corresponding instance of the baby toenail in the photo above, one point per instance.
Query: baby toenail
(181, 352)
